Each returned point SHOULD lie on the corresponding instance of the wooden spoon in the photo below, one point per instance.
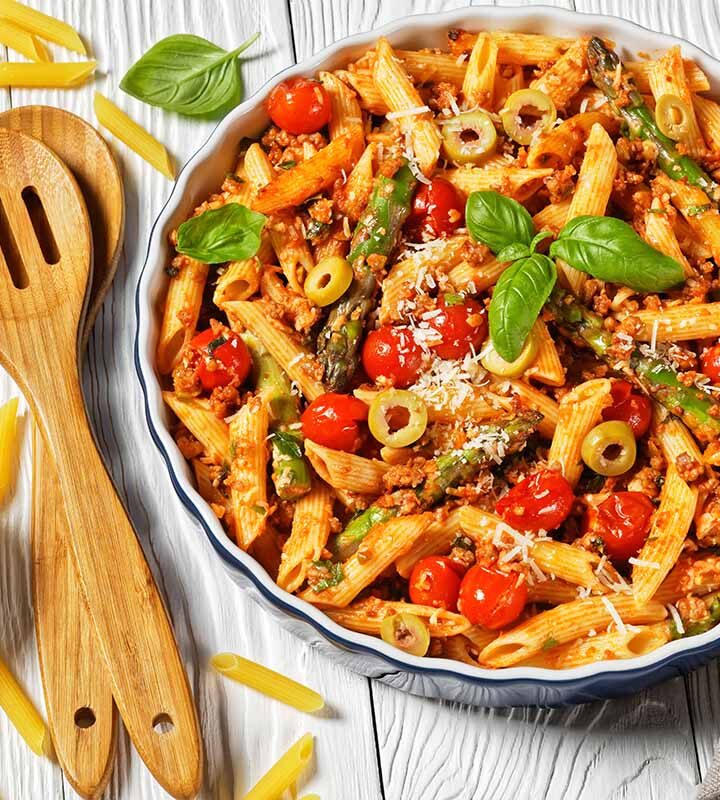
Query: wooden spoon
(81, 711)
(45, 268)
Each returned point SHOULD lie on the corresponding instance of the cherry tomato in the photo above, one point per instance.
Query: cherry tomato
(710, 363)
(224, 359)
(332, 420)
(629, 406)
(299, 106)
(462, 324)
(542, 501)
(391, 352)
(437, 209)
(434, 582)
(492, 598)
(622, 522)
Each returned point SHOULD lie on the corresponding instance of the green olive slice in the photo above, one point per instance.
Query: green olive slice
(328, 281)
(469, 138)
(526, 113)
(609, 449)
(397, 417)
(407, 632)
(673, 116)
(496, 364)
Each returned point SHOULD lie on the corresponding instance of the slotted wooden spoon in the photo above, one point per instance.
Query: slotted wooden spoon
(43, 278)
(81, 712)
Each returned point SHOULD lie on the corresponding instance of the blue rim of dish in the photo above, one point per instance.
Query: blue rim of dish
(486, 678)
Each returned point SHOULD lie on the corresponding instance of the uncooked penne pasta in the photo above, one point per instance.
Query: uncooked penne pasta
(663, 545)
(308, 536)
(367, 617)
(8, 444)
(248, 479)
(22, 41)
(267, 681)
(125, 129)
(283, 774)
(579, 412)
(22, 713)
(42, 25)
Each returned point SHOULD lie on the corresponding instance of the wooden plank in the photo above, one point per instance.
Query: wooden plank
(243, 731)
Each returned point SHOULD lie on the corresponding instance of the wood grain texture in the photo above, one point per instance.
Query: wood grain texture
(640, 748)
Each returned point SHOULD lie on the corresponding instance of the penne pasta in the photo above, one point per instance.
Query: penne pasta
(58, 75)
(558, 147)
(579, 412)
(22, 41)
(437, 539)
(663, 545)
(8, 444)
(22, 713)
(523, 49)
(660, 234)
(345, 470)
(420, 130)
(479, 81)
(641, 71)
(352, 198)
(248, 479)
(383, 545)
(286, 770)
(547, 367)
(566, 76)
(707, 112)
(42, 25)
(345, 114)
(567, 622)
(308, 537)
(203, 424)
(520, 184)
(537, 401)
(679, 323)
(367, 617)
(267, 681)
(296, 362)
(130, 133)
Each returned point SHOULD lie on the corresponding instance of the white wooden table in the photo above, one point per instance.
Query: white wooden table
(376, 743)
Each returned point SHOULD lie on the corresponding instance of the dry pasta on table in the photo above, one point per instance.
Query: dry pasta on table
(444, 350)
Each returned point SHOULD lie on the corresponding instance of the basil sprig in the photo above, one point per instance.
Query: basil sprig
(188, 74)
(229, 233)
(609, 249)
(521, 291)
(520, 294)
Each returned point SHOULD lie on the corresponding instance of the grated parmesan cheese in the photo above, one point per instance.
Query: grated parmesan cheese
(653, 337)
(616, 618)
(407, 112)
(639, 562)
(677, 619)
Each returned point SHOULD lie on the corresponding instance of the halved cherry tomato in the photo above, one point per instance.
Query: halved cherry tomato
(224, 359)
(332, 420)
(299, 106)
(391, 352)
(629, 406)
(542, 501)
(435, 582)
(462, 323)
(437, 210)
(622, 522)
(710, 363)
(492, 598)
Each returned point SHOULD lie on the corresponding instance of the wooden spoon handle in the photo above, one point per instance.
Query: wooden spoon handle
(78, 695)
(148, 679)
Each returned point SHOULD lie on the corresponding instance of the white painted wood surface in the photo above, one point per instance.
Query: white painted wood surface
(375, 742)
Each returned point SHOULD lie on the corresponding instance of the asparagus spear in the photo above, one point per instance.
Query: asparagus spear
(290, 469)
(618, 86)
(377, 233)
(451, 469)
(652, 372)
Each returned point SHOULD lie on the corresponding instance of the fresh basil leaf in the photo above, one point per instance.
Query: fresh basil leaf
(498, 221)
(187, 74)
(609, 249)
(539, 238)
(513, 251)
(520, 293)
(229, 233)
